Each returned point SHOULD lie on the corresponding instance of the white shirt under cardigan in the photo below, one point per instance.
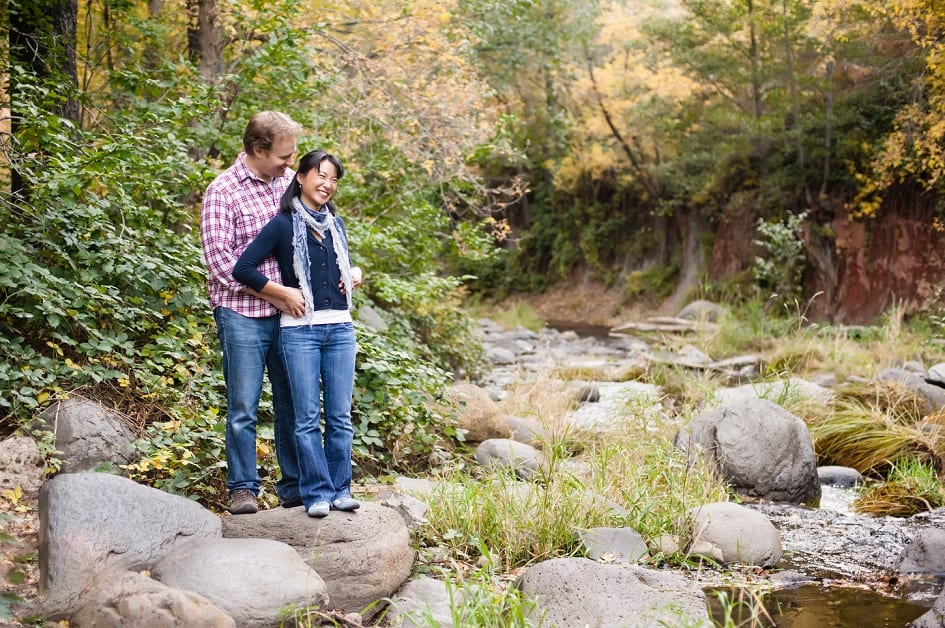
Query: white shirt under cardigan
(317, 317)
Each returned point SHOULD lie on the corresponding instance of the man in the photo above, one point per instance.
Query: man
(236, 205)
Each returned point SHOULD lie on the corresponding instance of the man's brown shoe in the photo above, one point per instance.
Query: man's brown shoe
(242, 502)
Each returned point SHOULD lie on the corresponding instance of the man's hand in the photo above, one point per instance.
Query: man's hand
(283, 298)
(291, 301)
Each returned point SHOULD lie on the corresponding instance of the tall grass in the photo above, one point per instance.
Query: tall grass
(628, 476)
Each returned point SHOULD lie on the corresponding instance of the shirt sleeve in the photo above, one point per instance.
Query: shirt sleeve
(218, 238)
(246, 269)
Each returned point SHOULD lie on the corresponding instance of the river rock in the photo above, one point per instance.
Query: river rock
(21, 464)
(926, 553)
(931, 398)
(133, 599)
(581, 592)
(422, 603)
(730, 533)
(93, 523)
(935, 618)
(363, 556)
(777, 392)
(524, 460)
(88, 434)
(759, 447)
(253, 580)
(839, 476)
(936, 375)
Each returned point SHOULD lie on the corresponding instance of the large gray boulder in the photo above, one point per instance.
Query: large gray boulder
(253, 580)
(93, 523)
(88, 434)
(581, 592)
(757, 446)
(363, 556)
(133, 599)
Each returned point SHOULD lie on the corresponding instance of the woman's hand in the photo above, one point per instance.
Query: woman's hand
(356, 276)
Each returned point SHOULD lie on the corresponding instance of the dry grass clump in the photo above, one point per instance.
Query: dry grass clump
(913, 486)
(871, 427)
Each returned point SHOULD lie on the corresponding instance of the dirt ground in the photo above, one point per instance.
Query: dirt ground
(19, 559)
(587, 302)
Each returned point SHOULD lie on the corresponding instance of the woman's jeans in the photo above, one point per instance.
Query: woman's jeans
(319, 361)
(251, 346)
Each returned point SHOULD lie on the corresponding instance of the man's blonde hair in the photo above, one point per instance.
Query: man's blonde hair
(265, 127)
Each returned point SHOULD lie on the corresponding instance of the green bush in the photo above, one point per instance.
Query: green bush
(102, 282)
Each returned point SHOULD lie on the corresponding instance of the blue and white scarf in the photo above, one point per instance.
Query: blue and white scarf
(322, 222)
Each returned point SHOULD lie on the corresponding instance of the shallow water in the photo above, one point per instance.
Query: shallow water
(814, 606)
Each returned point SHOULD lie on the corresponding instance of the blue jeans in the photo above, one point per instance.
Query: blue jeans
(250, 346)
(319, 361)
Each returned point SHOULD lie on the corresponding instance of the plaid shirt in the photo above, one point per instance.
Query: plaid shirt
(235, 207)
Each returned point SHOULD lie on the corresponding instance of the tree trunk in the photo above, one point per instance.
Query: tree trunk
(795, 105)
(152, 55)
(203, 38)
(42, 40)
(755, 64)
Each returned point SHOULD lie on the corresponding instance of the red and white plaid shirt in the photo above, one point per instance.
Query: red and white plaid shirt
(235, 207)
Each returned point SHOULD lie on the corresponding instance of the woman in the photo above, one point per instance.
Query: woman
(317, 340)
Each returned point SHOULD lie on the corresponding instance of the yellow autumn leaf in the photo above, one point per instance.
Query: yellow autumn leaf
(13, 494)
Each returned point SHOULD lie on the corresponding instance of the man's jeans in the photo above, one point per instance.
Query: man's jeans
(319, 361)
(250, 346)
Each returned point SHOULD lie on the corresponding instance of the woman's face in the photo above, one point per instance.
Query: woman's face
(319, 184)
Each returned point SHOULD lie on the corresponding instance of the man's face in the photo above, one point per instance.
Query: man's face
(273, 162)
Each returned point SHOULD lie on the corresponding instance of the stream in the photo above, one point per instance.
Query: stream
(839, 569)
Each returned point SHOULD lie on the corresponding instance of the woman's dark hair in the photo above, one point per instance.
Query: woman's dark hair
(310, 160)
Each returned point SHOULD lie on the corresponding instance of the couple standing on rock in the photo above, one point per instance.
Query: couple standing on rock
(280, 282)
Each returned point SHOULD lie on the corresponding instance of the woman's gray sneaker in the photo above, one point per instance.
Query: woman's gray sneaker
(319, 509)
(345, 503)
